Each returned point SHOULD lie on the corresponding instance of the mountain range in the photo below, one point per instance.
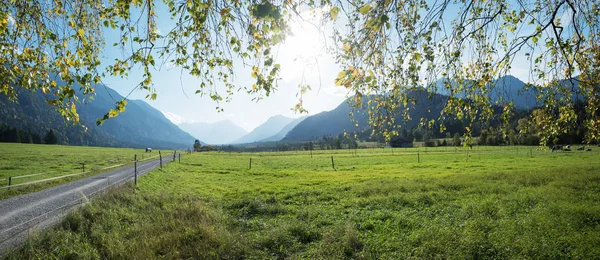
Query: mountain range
(505, 89)
(266, 130)
(140, 125)
(222, 132)
(284, 131)
(338, 121)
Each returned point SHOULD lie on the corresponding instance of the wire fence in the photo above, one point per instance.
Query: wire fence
(79, 199)
(12, 178)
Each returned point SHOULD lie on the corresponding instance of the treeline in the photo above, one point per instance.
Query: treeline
(15, 135)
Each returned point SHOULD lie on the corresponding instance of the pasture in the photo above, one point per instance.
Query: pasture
(489, 202)
(32, 162)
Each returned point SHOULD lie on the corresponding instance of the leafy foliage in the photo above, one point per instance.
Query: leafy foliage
(384, 47)
(393, 46)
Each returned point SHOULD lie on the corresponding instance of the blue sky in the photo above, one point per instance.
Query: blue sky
(298, 57)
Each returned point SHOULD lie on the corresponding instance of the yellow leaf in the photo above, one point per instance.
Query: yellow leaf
(365, 9)
(224, 11)
(80, 32)
(334, 12)
(112, 113)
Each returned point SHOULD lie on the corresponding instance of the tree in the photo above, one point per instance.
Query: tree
(197, 146)
(427, 141)
(483, 137)
(456, 140)
(308, 146)
(50, 137)
(385, 49)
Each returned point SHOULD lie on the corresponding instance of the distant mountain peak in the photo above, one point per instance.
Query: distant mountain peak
(220, 132)
(269, 128)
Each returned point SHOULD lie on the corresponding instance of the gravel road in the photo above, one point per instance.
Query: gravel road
(19, 216)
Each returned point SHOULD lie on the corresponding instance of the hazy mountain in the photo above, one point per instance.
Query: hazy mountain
(140, 125)
(222, 132)
(510, 88)
(327, 123)
(281, 134)
(271, 127)
(337, 121)
(506, 89)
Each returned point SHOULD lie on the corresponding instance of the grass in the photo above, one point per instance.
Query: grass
(31, 162)
(489, 202)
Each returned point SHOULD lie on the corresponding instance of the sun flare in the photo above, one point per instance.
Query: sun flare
(306, 42)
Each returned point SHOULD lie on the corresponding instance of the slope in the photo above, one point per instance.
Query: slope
(221, 132)
(272, 126)
(338, 121)
(140, 125)
(286, 129)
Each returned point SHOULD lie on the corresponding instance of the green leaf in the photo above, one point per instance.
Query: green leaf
(334, 12)
(417, 57)
(365, 9)
(339, 81)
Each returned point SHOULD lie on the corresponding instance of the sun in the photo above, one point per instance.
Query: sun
(306, 41)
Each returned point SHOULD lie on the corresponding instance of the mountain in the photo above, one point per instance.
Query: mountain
(509, 88)
(140, 125)
(271, 127)
(505, 89)
(337, 121)
(222, 132)
(286, 129)
(32, 113)
(327, 123)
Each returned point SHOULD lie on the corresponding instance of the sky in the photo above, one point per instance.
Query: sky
(298, 56)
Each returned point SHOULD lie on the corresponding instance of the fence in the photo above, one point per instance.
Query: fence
(18, 232)
(11, 185)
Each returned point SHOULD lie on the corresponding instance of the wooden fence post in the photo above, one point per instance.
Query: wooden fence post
(174, 152)
(9, 182)
(83, 167)
(179, 157)
(135, 172)
(531, 153)
(250, 167)
(418, 157)
(332, 164)
(160, 155)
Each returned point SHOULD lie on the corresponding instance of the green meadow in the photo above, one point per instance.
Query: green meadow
(32, 162)
(445, 202)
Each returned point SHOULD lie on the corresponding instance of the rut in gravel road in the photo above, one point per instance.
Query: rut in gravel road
(33, 212)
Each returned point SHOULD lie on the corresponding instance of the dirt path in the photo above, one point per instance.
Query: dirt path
(21, 215)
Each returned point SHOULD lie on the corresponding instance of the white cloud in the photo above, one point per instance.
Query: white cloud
(336, 91)
(175, 118)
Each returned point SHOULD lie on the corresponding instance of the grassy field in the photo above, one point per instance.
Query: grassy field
(31, 162)
(489, 202)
